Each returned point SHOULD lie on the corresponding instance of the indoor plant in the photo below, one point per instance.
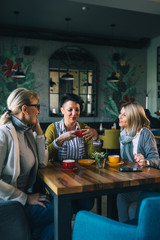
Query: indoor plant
(100, 159)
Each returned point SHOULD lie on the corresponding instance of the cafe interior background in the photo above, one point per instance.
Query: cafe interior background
(92, 41)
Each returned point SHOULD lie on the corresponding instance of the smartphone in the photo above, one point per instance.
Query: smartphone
(130, 170)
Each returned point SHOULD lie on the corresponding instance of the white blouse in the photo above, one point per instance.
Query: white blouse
(135, 141)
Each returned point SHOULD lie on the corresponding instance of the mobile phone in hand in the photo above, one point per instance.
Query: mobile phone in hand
(130, 169)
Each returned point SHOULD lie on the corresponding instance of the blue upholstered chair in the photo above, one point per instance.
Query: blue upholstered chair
(90, 226)
(13, 222)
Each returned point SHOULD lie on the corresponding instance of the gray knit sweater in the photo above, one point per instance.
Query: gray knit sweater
(148, 148)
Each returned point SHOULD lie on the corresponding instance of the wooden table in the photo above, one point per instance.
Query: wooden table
(90, 182)
(157, 137)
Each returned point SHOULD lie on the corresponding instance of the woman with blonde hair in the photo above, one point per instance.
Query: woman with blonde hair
(137, 144)
(22, 151)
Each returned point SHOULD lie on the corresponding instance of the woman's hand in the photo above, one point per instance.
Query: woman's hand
(90, 133)
(66, 136)
(37, 128)
(37, 199)
(139, 158)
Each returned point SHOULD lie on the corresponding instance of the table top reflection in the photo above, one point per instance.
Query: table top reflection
(89, 178)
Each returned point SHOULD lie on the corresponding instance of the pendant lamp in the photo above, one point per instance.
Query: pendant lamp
(87, 84)
(18, 74)
(67, 76)
(51, 83)
(113, 78)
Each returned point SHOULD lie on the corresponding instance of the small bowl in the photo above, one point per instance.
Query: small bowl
(113, 158)
(86, 161)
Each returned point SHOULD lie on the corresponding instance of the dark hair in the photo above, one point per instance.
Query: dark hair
(72, 97)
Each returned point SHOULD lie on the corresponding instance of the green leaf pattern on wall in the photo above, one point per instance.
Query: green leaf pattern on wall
(111, 85)
(9, 60)
(111, 107)
(122, 91)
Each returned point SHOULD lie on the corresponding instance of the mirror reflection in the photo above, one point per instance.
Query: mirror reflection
(72, 70)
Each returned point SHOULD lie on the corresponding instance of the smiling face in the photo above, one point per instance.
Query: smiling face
(71, 112)
(123, 118)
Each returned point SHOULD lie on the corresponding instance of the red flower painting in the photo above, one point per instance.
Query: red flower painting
(9, 68)
(126, 99)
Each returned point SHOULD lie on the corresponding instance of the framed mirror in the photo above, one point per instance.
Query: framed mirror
(72, 70)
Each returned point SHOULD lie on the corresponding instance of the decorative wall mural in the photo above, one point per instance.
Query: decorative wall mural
(10, 60)
(123, 89)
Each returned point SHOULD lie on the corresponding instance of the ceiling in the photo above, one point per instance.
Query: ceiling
(136, 22)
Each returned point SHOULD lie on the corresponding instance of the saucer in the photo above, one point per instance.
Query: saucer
(86, 161)
(114, 164)
(68, 169)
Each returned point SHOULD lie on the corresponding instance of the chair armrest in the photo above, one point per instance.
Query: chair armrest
(90, 226)
(13, 222)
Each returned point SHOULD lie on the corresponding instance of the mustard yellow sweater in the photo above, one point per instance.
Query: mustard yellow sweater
(51, 135)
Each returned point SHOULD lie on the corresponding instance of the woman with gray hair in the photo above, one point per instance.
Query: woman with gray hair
(137, 144)
(22, 151)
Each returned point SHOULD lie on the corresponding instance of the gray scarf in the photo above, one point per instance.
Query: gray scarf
(126, 146)
(19, 126)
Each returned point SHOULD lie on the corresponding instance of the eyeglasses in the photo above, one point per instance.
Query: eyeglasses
(34, 105)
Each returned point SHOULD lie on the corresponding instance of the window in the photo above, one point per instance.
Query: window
(83, 68)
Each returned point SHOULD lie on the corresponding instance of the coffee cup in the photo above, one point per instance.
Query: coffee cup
(79, 133)
(69, 164)
(113, 158)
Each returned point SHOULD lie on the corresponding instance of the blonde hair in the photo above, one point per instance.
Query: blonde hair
(15, 101)
(136, 117)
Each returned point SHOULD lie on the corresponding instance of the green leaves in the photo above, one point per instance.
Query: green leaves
(99, 155)
(129, 91)
(111, 85)
(125, 87)
(111, 107)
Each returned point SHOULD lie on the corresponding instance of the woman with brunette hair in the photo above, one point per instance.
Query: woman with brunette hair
(137, 144)
(63, 142)
(22, 151)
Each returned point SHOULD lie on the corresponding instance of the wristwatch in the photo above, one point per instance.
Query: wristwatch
(147, 163)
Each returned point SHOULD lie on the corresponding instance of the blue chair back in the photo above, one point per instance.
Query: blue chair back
(90, 226)
(149, 219)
